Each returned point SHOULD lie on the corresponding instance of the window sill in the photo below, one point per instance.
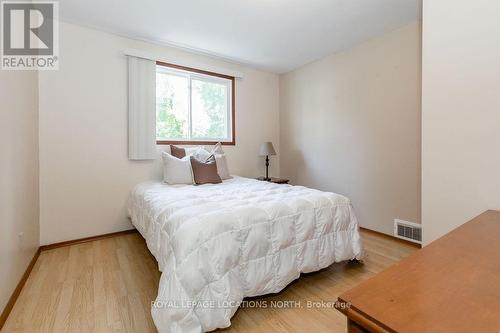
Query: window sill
(195, 143)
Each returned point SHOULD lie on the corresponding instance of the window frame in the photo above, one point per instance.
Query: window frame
(232, 113)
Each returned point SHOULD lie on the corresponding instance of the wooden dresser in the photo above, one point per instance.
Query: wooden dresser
(452, 285)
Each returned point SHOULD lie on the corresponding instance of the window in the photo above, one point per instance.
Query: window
(193, 106)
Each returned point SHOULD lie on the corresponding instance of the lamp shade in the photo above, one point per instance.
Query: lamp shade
(267, 149)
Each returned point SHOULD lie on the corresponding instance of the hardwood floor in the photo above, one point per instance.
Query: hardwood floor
(108, 285)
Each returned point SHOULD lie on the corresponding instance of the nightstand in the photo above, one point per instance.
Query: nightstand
(275, 180)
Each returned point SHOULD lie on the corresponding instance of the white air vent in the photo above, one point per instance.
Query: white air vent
(408, 230)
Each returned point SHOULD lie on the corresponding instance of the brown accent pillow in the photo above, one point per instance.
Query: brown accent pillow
(205, 172)
(177, 152)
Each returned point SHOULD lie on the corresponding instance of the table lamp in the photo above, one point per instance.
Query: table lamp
(267, 149)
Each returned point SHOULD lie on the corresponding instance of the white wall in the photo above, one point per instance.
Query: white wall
(85, 176)
(350, 123)
(18, 177)
(460, 113)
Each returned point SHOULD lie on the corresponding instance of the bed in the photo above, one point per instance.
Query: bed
(218, 243)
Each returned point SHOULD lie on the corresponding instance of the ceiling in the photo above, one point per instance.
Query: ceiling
(275, 35)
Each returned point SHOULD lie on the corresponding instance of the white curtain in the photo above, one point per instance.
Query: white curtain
(141, 109)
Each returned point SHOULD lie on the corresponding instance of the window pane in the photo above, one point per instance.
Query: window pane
(209, 110)
(172, 106)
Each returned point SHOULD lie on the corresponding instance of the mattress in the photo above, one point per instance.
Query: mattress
(218, 243)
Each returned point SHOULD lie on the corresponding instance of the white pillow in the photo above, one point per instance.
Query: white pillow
(217, 149)
(177, 171)
(187, 150)
(191, 150)
(222, 167)
(200, 153)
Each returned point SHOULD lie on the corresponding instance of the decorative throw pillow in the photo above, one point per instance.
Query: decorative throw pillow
(200, 153)
(177, 151)
(222, 167)
(191, 150)
(217, 149)
(205, 172)
(177, 170)
(220, 157)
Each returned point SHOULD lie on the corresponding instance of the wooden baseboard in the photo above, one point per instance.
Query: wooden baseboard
(391, 237)
(86, 239)
(13, 298)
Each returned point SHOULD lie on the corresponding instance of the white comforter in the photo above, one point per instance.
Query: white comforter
(217, 244)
